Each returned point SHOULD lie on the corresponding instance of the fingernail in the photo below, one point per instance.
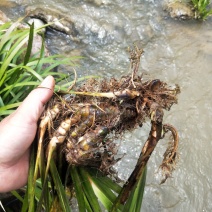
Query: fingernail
(48, 82)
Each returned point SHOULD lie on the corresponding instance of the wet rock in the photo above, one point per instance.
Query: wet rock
(99, 2)
(179, 10)
(58, 20)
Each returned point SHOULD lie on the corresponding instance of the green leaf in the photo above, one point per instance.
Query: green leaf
(140, 191)
(108, 182)
(104, 194)
(6, 107)
(17, 195)
(29, 198)
(40, 164)
(13, 51)
(59, 188)
(29, 46)
(78, 189)
(21, 84)
(135, 199)
(88, 190)
(104, 187)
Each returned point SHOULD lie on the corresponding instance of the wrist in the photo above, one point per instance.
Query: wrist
(14, 177)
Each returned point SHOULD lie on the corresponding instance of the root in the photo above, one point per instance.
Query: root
(81, 123)
(170, 156)
(135, 56)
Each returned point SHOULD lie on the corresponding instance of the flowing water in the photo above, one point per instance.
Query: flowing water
(175, 51)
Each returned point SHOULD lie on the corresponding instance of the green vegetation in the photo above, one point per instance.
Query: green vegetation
(202, 10)
(20, 72)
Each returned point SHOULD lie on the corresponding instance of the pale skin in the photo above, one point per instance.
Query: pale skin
(17, 133)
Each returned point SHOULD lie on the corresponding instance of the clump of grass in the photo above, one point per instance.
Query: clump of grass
(202, 10)
(20, 71)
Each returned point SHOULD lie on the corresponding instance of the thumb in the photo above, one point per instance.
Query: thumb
(32, 107)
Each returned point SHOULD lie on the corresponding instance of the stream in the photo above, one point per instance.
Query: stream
(178, 52)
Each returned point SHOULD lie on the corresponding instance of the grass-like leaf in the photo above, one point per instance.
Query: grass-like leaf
(134, 202)
(78, 189)
(202, 10)
(20, 71)
(92, 200)
(29, 46)
(104, 187)
(17, 195)
(29, 202)
(64, 204)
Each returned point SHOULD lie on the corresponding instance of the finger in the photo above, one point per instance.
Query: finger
(20, 127)
(32, 107)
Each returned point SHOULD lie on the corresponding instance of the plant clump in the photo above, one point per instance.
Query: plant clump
(184, 10)
(84, 122)
(201, 8)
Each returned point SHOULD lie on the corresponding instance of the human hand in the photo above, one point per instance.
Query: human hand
(17, 131)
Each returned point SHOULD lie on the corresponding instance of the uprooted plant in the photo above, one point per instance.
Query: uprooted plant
(80, 125)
